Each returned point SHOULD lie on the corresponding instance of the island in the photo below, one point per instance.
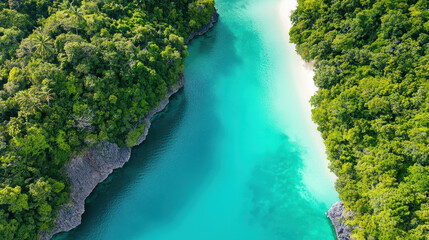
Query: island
(81, 81)
(371, 61)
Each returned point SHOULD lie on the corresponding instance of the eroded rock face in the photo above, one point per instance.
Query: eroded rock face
(84, 173)
(204, 29)
(337, 215)
(95, 165)
(158, 109)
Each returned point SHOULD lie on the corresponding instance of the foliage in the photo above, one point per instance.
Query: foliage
(133, 135)
(372, 61)
(75, 73)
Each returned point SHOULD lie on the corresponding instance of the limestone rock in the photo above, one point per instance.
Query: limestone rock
(337, 215)
(95, 165)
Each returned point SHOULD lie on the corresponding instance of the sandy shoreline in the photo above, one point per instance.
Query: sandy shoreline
(304, 73)
(303, 70)
(303, 78)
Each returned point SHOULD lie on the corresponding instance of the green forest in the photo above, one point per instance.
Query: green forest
(73, 74)
(371, 60)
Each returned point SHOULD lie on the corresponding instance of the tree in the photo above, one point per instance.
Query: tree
(76, 13)
(15, 4)
(369, 59)
(43, 44)
(63, 92)
(14, 199)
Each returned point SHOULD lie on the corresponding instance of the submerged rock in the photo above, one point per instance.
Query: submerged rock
(337, 214)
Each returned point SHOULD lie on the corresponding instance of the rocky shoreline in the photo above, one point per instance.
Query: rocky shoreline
(85, 172)
(337, 215)
(204, 29)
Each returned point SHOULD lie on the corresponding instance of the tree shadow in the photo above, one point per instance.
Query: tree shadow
(168, 169)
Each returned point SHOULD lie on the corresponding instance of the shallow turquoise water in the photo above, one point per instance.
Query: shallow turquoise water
(224, 161)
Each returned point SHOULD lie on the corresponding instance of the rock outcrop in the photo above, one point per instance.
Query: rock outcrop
(214, 18)
(85, 172)
(337, 215)
(93, 167)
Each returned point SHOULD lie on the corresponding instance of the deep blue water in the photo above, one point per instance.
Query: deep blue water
(235, 154)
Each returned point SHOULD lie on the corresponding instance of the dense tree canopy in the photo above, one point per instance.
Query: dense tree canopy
(371, 59)
(75, 73)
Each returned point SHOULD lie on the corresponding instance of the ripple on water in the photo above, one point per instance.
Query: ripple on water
(214, 166)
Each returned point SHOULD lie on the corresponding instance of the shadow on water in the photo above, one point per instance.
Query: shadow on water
(279, 198)
(110, 191)
(205, 58)
(168, 169)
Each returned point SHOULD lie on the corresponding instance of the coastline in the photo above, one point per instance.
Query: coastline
(298, 78)
(337, 214)
(85, 172)
(305, 73)
(304, 69)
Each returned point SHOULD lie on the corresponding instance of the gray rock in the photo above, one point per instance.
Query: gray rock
(337, 215)
(95, 165)
(158, 109)
(84, 173)
(204, 29)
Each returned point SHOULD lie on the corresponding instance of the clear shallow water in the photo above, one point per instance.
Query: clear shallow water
(235, 154)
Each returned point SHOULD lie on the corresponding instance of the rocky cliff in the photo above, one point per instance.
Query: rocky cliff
(337, 215)
(85, 172)
(214, 18)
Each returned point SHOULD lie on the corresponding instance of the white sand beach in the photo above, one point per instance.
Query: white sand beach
(303, 70)
(303, 79)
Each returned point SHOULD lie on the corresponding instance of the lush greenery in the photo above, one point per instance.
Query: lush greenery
(371, 59)
(74, 74)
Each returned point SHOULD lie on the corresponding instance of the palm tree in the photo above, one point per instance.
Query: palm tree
(45, 94)
(33, 99)
(28, 103)
(43, 44)
(77, 15)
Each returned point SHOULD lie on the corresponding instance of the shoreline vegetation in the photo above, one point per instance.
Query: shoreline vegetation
(94, 166)
(77, 76)
(371, 60)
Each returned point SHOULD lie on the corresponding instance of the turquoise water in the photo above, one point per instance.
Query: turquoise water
(235, 154)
